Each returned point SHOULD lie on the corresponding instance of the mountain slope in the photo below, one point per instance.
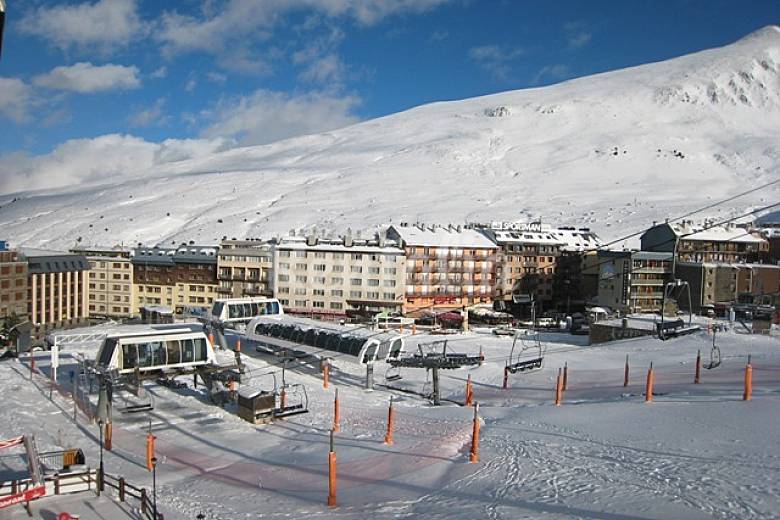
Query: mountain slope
(611, 151)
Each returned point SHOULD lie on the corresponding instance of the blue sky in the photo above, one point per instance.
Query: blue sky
(82, 78)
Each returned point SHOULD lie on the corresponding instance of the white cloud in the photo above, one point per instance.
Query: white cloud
(495, 59)
(216, 77)
(159, 73)
(327, 70)
(86, 78)
(266, 116)
(555, 72)
(15, 99)
(80, 161)
(577, 34)
(102, 25)
(152, 115)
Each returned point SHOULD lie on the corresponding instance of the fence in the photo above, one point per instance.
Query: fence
(86, 480)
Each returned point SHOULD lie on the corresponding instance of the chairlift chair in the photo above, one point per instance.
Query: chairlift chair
(715, 358)
(296, 400)
(393, 373)
(525, 365)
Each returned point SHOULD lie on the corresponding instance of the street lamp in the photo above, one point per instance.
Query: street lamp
(154, 486)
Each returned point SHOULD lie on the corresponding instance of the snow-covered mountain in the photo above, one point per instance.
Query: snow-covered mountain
(612, 151)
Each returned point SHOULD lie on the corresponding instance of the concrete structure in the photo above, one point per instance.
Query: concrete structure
(181, 278)
(13, 284)
(705, 243)
(245, 268)
(111, 292)
(633, 281)
(339, 277)
(57, 290)
(447, 267)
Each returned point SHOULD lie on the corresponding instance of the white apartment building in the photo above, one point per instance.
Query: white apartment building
(336, 278)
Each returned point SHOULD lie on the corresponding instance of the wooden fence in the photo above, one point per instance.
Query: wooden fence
(87, 480)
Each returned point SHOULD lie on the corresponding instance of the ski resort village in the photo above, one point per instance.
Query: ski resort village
(246, 272)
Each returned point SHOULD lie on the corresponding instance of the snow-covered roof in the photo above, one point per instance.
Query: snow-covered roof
(389, 247)
(528, 237)
(440, 236)
(582, 239)
(702, 233)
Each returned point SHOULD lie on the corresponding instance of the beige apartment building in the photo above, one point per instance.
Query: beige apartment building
(633, 281)
(336, 278)
(245, 268)
(111, 292)
(57, 290)
(447, 267)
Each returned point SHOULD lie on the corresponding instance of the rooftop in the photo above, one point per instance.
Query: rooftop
(441, 236)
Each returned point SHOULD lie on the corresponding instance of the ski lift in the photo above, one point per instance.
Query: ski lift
(293, 400)
(515, 365)
(715, 358)
(393, 374)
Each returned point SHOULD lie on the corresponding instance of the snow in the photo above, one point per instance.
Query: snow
(613, 152)
(440, 236)
(697, 451)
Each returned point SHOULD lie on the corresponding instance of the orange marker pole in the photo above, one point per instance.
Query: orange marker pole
(32, 364)
(283, 399)
(331, 474)
(649, 385)
(565, 376)
(558, 388)
(211, 339)
(149, 450)
(238, 345)
(469, 391)
(336, 412)
(506, 378)
(481, 356)
(325, 375)
(474, 454)
(748, 381)
(390, 423)
(109, 434)
(697, 376)
(414, 329)
(625, 373)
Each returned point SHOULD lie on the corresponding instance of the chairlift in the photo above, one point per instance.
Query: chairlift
(393, 373)
(296, 400)
(715, 358)
(515, 365)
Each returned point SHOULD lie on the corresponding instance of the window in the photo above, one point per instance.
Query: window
(356, 281)
(319, 267)
(300, 303)
(338, 256)
(284, 277)
(300, 278)
(283, 290)
(336, 305)
(338, 268)
(300, 291)
(319, 254)
(355, 294)
(284, 266)
(336, 292)
(318, 292)
(373, 270)
(319, 280)
(336, 280)
(388, 296)
(302, 267)
(300, 254)
(284, 254)
(356, 269)
(373, 282)
(318, 305)
(356, 256)
(372, 295)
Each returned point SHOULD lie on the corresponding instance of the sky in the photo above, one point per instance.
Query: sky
(91, 88)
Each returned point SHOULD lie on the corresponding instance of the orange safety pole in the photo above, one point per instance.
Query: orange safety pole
(697, 376)
(748, 381)
(149, 451)
(625, 373)
(565, 376)
(469, 391)
(474, 454)
(32, 363)
(414, 329)
(558, 388)
(325, 374)
(481, 356)
(506, 378)
(283, 399)
(238, 345)
(336, 412)
(649, 385)
(211, 339)
(109, 434)
(331, 474)
(390, 423)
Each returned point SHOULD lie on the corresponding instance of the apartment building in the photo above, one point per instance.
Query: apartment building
(447, 267)
(336, 278)
(633, 281)
(713, 283)
(13, 284)
(182, 278)
(528, 259)
(245, 268)
(705, 242)
(57, 290)
(111, 291)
